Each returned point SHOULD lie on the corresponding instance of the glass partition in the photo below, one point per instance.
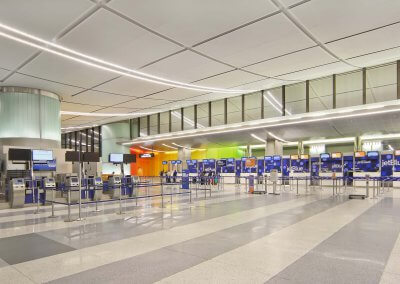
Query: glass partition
(234, 109)
(176, 120)
(273, 102)
(321, 94)
(349, 89)
(252, 106)
(202, 115)
(164, 122)
(143, 126)
(188, 118)
(217, 113)
(382, 83)
(295, 98)
(153, 124)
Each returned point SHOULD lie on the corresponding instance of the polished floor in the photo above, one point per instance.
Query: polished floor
(228, 237)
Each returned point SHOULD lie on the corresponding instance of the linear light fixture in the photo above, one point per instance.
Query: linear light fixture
(277, 137)
(168, 146)
(329, 141)
(64, 112)
(258, 138)
(152, 150)
(189, 148)
(98, 63)
(271, 125)
(278, 103)
(390, 147)
(381, 136)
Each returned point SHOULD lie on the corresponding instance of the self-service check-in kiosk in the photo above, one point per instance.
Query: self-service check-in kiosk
(72, 187)
(95, 185)
(114, 186)
(49, 185)
(17, 193)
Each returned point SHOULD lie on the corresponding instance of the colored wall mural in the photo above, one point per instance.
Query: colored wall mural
(153, 166)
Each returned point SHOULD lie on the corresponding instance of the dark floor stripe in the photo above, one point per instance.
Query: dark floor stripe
(40, 220)
(158, 264)
(357, 253)
(103, 232)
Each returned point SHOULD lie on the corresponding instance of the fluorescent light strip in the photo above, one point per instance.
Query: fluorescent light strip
(258, 138)
(168, 146)
(63, 112)
(380, 136)
(152, 150)
(268, 126)
(125, 71)
(329, 141)
(276, 137)
(187, 120)
(189, 148)
(390, 147)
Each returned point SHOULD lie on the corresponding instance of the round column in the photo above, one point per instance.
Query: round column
(29, 117)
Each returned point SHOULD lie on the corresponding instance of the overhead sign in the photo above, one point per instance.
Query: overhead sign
(359, 154)
(146, 155)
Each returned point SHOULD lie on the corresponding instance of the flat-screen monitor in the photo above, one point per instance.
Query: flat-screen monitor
(294, 157)
(359, 154)
(178, 162)
(74, 179)
(129, 158)
(91, 157)
(42, 155)
(325, 156)
(277, 158)
(15, 154)
(304, 157)
(116, 158)
(72, 156)
(337, 155)
(373, 154)
(165, 162)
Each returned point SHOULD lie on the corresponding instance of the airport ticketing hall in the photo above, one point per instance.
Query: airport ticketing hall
(204, 141)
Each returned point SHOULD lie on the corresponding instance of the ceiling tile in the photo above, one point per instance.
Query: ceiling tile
(229, 79)
(174, 95)
(262, 84)
(320, 71)
(97, 98)
(186, 67)
(56, 68)
(131, 87)
(78, 107)
(367, 42)
(13, 54)
(377, 57)
(293, 62)
(117, 110)
(214, 96)
(114, 39)
(190, 22)
(288, 3)
(43, 18)
(142, 103)
(31, 82)
(3, 73)
(329, 20)
(265, 39)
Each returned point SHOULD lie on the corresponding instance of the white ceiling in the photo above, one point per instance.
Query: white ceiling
(221, 44)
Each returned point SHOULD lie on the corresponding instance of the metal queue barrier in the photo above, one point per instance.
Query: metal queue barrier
(70, 190)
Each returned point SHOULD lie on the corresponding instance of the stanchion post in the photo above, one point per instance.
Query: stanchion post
(69, 206)
(52, 203)
(162, 196)
(297, 186)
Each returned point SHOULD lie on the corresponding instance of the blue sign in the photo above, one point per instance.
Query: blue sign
(178, 162)
(165, 162)
(173, 162)
(387, 165)
(45, 166)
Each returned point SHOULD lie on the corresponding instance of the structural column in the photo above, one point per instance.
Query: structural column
(273, 147)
